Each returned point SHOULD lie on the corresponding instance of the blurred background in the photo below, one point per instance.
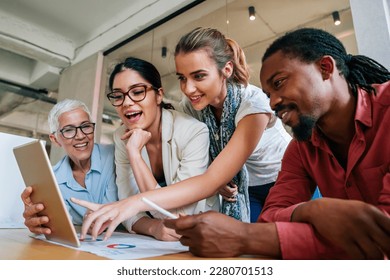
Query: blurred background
(40, 40)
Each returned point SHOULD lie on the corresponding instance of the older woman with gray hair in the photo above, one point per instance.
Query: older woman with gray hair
(86, 171)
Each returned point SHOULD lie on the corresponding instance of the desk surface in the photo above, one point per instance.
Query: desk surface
(16, 244)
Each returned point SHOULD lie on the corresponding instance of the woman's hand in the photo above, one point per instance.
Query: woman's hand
(229, 192)
(104, 216)
(136, 139)
(35, 223)
(155, 228)
(92, 225)
(359, 228)
(161, 232)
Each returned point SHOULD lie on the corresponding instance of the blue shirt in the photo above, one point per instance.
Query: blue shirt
(100, 186)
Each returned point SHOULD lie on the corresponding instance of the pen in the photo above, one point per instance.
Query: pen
(158, 208)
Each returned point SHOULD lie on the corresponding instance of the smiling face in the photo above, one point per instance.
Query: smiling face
(144, 114)
(78, 148)
(200, 79)
(296, 90)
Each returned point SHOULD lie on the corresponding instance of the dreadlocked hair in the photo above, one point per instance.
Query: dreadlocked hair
(310, 44)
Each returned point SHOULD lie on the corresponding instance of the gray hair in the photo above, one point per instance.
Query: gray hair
(61, 107)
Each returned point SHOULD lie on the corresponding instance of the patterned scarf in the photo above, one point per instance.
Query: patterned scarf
(219, 137)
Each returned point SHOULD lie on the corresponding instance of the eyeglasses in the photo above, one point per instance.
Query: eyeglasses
(136, 93)
(70, 131)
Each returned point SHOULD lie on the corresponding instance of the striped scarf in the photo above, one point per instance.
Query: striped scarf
(219, 137)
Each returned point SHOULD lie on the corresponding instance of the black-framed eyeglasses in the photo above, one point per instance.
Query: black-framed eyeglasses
(70, 131)
(136, 93)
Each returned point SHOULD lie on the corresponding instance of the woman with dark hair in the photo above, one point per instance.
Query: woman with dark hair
(247, 140)
(214, 76)
(156, 145)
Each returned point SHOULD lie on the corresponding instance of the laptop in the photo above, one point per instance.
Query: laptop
(36, 170)
(12, 185)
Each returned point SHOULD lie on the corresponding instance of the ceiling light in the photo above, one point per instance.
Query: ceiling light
(164, 52)
(336, 18)
(252, 15)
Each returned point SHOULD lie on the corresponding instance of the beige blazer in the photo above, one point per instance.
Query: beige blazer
(185, 152)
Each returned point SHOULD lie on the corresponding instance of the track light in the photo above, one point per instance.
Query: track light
(252, 15)
(164, 52)
(336, 18)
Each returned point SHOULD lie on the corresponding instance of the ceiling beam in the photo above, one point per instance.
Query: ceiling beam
(34, 42)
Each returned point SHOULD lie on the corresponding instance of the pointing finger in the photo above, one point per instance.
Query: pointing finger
(89, 205)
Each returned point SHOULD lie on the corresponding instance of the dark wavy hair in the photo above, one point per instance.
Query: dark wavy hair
(144, 68)
(309, 45)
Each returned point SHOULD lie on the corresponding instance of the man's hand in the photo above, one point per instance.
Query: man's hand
(34, 222)
(209, 234)
(359, 228)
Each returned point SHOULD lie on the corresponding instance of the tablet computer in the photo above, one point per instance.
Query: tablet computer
(37, 172)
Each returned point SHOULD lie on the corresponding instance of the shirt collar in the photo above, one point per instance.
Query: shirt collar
(317, 139)
(96, 161)
(363, 115)
(63, 171)
(364, 108)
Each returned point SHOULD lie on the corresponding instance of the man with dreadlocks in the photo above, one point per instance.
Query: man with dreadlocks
(338, 108)
(337, 105)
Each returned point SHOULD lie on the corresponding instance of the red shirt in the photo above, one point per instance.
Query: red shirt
(308, 164)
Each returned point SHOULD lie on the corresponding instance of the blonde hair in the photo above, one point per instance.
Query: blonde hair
(219, 48)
